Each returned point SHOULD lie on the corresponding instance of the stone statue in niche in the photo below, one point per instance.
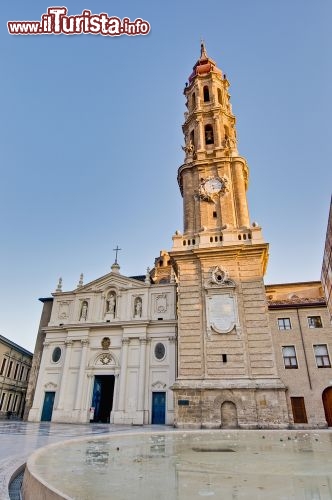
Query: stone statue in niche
(84, 311)
(138, 307)
(111, 304)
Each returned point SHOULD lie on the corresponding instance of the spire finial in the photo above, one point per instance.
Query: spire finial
(80, 283)
(203, 50)
(116, 250)
(59, 287)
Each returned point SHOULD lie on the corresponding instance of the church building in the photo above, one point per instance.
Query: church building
(193, 343)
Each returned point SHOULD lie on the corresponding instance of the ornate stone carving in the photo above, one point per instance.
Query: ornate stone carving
(221, 304)
(106, 342)
(161, 303)
(221, 312)
(105, 359)
(63, 310)
(158, 385)
(50, 385)
(219, 276)
(189, 148)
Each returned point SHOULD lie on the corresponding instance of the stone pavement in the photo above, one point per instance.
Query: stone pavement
(19, 439)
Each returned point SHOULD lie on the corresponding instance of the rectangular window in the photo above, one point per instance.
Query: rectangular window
(322, 356)
(2, 400)
(284, 324)
(27, 375)
(16, 369)
(3, 364)
(289, 355)
(9, 369)
(315, 322)
(21, 374)
(14, 403)
(299, 413)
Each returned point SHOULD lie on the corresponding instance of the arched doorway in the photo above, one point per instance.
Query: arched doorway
(327, 402)
(228, 415)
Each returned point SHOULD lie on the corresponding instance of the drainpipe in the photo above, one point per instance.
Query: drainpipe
(304, 351)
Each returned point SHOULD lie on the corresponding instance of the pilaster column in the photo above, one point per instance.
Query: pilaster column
(78, 400)
(200, 133)
(68, 344)
(123, 374)
(141, 387)
(36, 403)
(147, 373)
(239, 194)
(217, 135)
(87, 393)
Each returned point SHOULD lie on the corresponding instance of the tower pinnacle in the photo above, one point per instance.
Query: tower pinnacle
(203, 51)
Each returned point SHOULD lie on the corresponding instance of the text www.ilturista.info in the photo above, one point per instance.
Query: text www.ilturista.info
(56, 22)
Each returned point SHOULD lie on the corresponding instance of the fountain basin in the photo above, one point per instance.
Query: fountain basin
(184, 465)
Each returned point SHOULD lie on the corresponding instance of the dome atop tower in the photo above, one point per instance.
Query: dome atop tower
(204, 65)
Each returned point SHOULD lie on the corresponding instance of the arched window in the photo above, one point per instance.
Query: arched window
(209, 139)
(193, 101)
(219, 96)
(206, 93)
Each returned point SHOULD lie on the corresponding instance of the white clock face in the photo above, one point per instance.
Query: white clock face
(213, 186)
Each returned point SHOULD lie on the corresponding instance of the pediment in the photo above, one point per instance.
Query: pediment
(111, 280)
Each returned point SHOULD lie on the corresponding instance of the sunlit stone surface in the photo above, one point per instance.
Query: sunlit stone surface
(186, 465)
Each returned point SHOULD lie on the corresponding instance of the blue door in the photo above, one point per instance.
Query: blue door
(158, 407)
(46, 415)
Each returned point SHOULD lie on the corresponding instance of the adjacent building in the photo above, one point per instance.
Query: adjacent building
(302, 339)
(15, 366)
(199, 341)
(326, 276)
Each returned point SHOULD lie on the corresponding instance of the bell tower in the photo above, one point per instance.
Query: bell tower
(227, 374)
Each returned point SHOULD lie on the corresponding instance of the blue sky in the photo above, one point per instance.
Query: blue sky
(90, 139)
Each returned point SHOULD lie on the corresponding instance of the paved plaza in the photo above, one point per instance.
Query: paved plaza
(19, 439)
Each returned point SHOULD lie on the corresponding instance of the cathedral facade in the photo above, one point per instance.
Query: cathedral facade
(107, 354)
(194, 342)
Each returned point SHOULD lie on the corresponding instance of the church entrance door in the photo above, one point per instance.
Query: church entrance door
(102, 398)
(327, 402)
(46, 415)
(158, 407)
